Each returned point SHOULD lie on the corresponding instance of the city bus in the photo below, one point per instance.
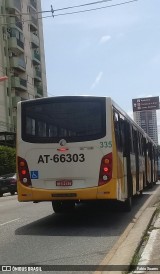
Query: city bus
(73, 149)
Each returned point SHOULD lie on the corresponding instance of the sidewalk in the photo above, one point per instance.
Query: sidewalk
(138, 248)
(150, 257)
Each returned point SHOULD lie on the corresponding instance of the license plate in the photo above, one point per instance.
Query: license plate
(64, 183)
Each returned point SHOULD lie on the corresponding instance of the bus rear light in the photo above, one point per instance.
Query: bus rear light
(25, 180)
(62, 149)
(105, 173)
(22, 163)
(23, 172)
(106, 161)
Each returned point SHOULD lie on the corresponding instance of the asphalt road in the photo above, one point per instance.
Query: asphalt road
(32, 234)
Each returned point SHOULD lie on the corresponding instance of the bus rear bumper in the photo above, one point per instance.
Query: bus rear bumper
(96, 193)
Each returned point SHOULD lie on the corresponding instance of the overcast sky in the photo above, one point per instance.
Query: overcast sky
(113, 52)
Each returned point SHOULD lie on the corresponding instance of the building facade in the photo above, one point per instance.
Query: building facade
(148, 121)
(21, 57)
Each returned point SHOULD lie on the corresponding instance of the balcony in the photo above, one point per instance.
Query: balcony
(33, 23)
(16, 45)
(38, 91)
(15, 101)
(33, 4)
(19, 83)
(15, 22)
(37, 75)
(36, 57)
(13, 6)
(18, 63)
(34, 40)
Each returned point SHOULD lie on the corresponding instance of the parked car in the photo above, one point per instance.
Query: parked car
(8, 183)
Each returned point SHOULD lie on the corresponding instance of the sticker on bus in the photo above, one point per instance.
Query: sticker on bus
(34, 174)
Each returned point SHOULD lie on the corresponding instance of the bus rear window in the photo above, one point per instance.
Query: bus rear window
(52, 119)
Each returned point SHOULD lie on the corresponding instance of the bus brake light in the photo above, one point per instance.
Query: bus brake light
(23, 172)
(105, 174)
(62, 149)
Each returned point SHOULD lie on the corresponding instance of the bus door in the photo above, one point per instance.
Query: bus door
(125, 151)
(146, 161)
(127, 155)
(121, 176)
(136, 151)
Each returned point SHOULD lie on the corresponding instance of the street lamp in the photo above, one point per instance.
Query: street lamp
(3, 78)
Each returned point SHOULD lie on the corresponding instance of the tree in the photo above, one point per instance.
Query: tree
(7, 160)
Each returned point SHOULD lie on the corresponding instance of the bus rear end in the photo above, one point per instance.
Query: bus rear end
(64, 150)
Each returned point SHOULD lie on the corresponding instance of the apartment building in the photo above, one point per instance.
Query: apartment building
(21, 57)
(148, 121)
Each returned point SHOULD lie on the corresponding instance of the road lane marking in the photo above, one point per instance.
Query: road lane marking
(9, 222)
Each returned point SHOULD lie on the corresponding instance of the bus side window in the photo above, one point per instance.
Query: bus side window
(131, 137)
(134, 134)
(125, 149)
(144, 145)
(117, 129)
(128, 139)
(141, 145)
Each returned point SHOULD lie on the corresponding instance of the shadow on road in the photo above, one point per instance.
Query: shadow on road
(96, 220)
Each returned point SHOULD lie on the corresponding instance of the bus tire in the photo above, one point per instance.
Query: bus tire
(57, 206)
(63, 206)
(128, 204)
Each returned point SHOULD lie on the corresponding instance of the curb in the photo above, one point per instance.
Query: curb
(148, 254)
(124, 249)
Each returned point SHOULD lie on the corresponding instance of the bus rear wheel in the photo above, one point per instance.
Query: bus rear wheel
(63, 206)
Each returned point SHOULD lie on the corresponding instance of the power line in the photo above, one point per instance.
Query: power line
(87, 10)
(99, 8)
(83, 5)
(60, 9)
(69, 13)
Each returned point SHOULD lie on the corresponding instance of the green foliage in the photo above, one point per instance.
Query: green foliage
(7, 160)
